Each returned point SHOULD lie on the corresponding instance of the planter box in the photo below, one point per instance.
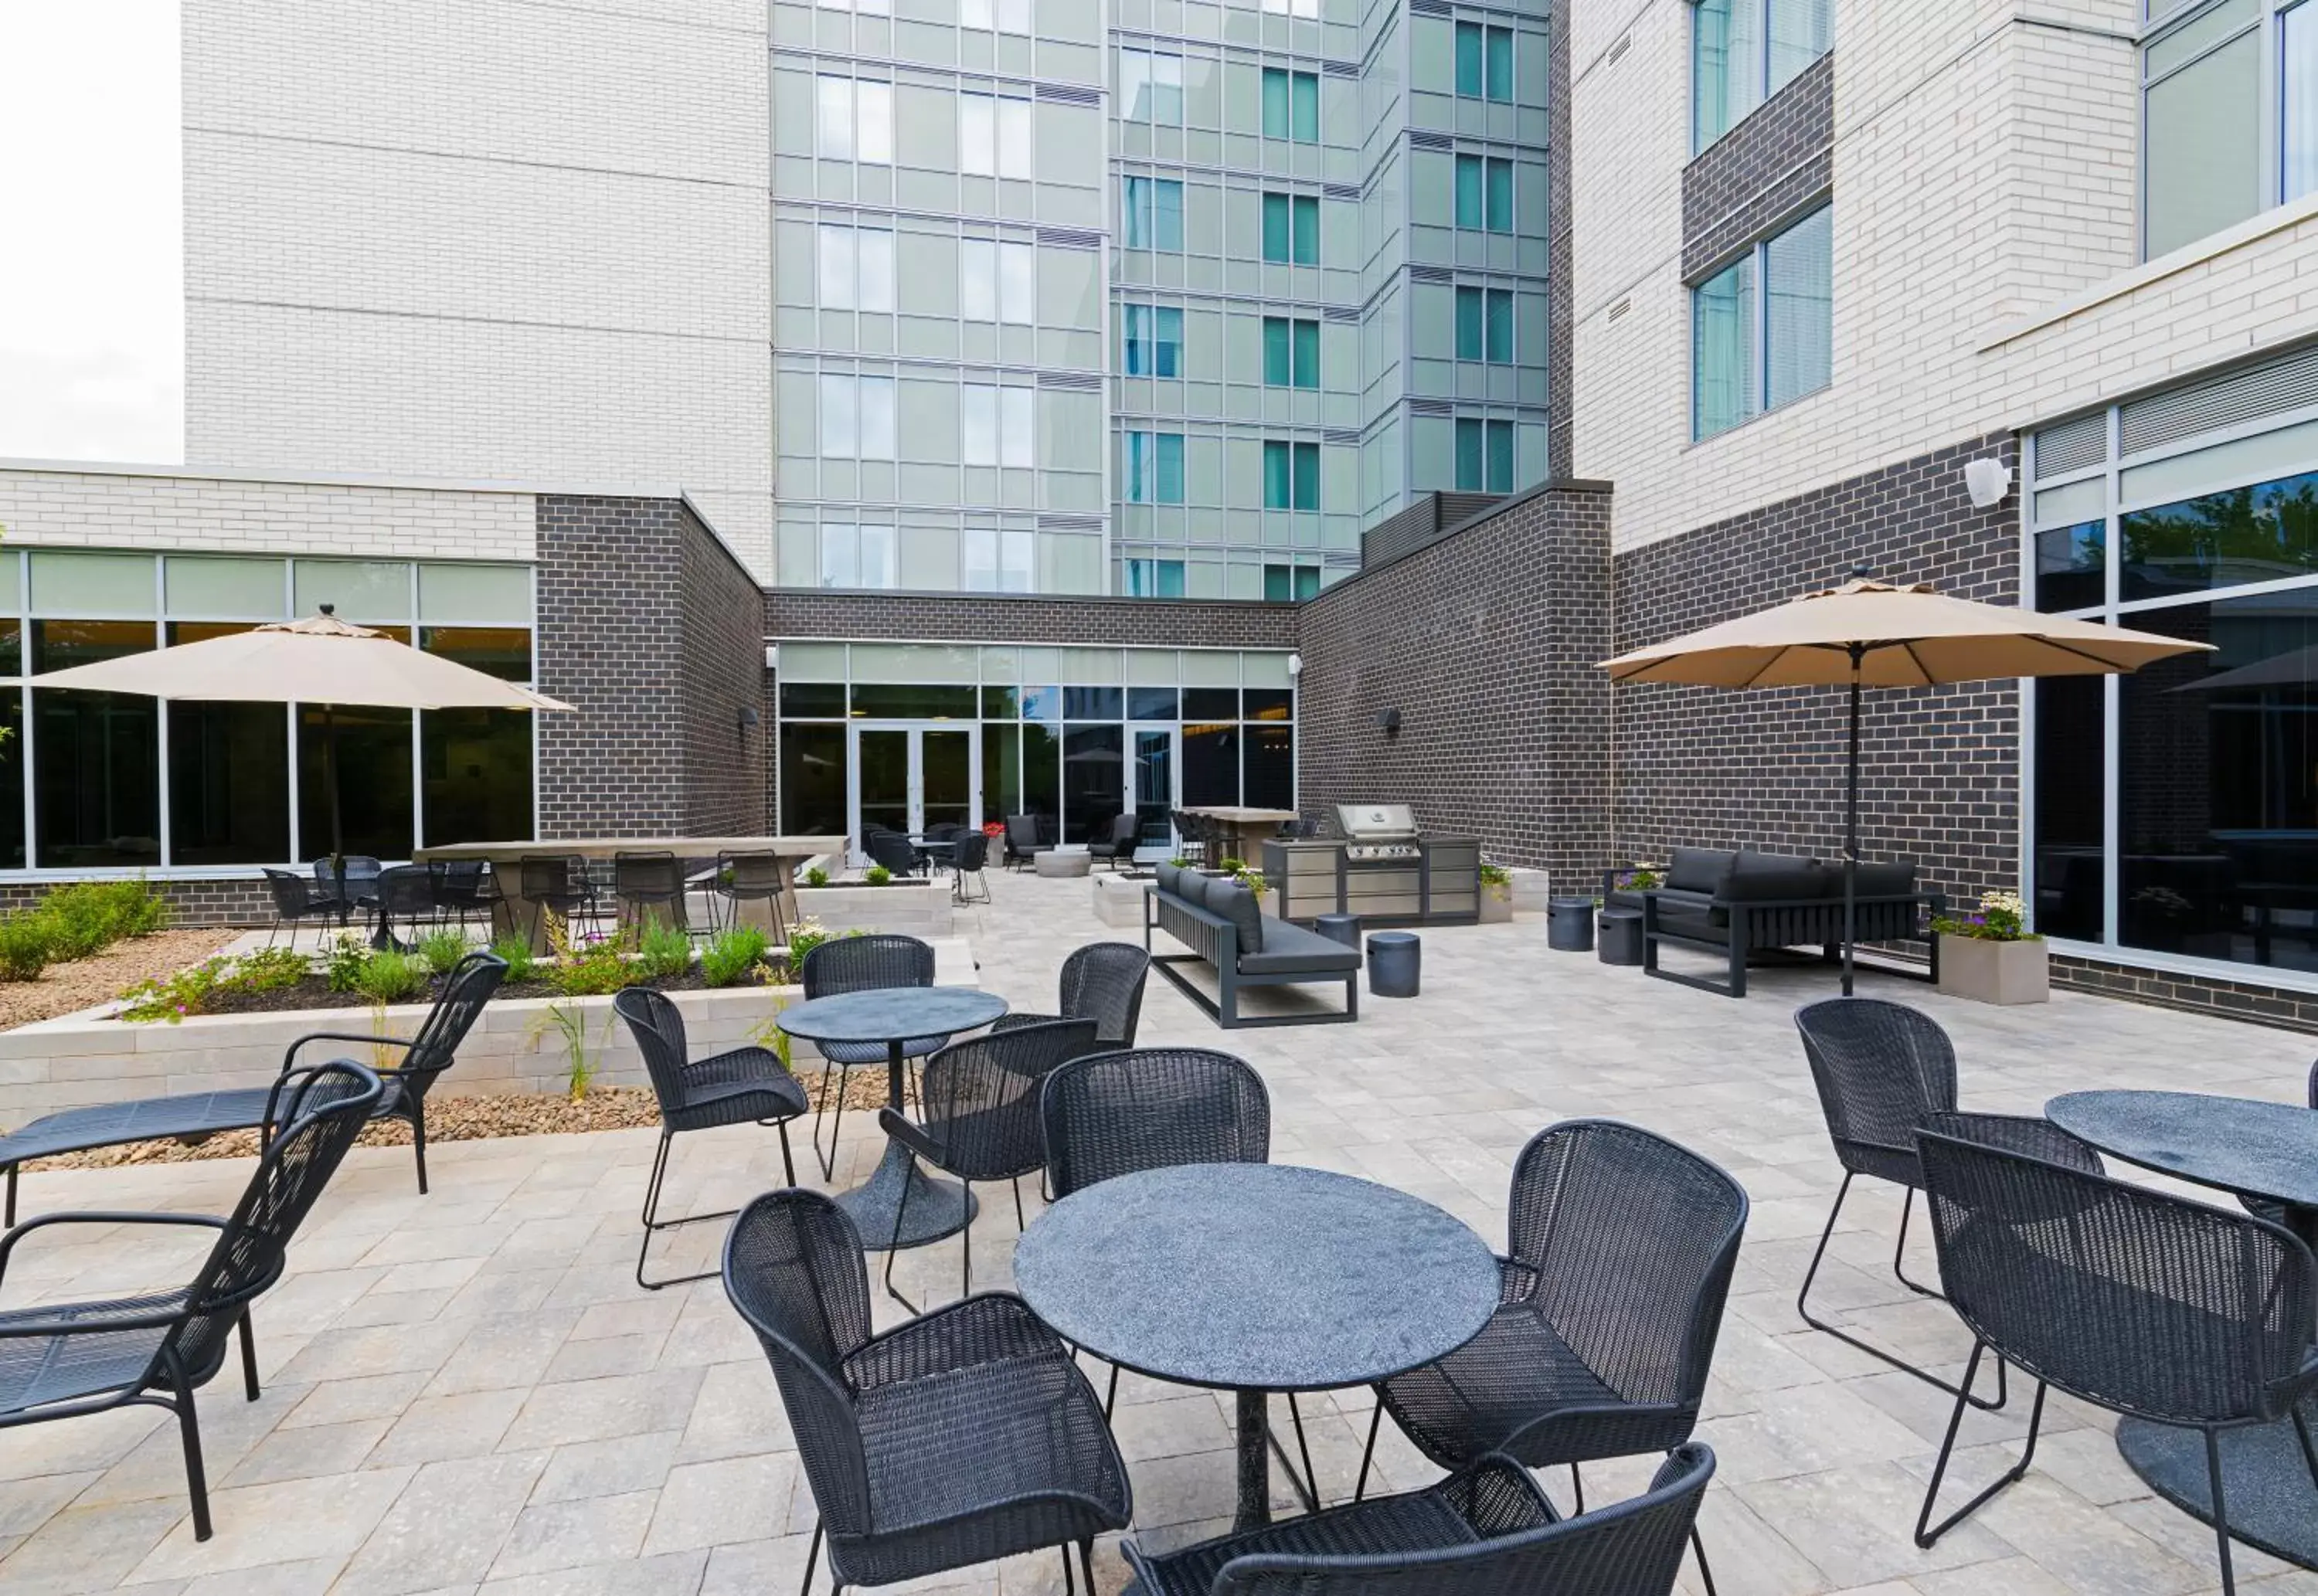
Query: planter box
(1496, 905)
(1530, 888)
(84, 1059)
(919, 909)
(1119, 900)
(1995, 971)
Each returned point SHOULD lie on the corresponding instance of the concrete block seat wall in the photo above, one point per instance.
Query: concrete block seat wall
(1743, 903)
(1219, 919)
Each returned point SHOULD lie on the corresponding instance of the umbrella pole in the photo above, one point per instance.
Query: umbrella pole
(1851, 824)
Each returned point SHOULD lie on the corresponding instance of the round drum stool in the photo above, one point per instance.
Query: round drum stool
(1395, 960)
(1339, 928)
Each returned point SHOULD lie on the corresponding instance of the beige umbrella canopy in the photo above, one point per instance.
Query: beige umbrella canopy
(321, 660)
(1872, 634)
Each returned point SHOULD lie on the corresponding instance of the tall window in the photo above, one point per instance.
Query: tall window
(1485, 456)
(1291, 476)
(1484, 194)
(1005, 16)
(1310, 9)
(1485, 324)
(2214, 152)
(1762, 328)
(1154, 335)
(857, 416)
(1739, 55)
(997, 425)
(856, 269)
(1155, 468)
(857, 557)
(1282, 583)
(1484, 62)
(855, 120)
(994, 137)
(998, 282)
(1155, 578)
(1291, 230)
(1292, 352)
(1154, 219)
(1151, 88)
(996, 560)
(1292, 105)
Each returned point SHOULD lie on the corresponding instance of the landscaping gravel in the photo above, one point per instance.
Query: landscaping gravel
(65, 989)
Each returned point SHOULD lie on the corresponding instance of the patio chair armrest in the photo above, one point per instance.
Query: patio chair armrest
(1620, 1413)
(989, 1327)
(911, 1134)
(1517, 1281)
(27, 1329)
(1495, 1495)
(290, 1056)
(92, 1216)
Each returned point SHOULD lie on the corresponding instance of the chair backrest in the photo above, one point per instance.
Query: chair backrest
(458, 883)
(2313, 1086)
(1634, 1238)
(312, 1116)
(293, 894)
(979, 1098)
(470, 985)
(1103, 981)
(1629, 1548)
(1882, 1069)
(893, 850)
(865, 964)
(548, 876)
(751, 875)
(793, 1267)
(1126, 830)
(1116, 1112)
(658, 1026)
(943, 831)
(656, 876)
(406, 890)
(2116, 1293)
(973, 853)
(1021, 832)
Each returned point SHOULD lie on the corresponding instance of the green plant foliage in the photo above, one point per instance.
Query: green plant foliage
(734, 957)
(387, 976)
(344, 963)
(569, 1024)
(877, 875)
(665, 951)
(271, 969)
(86, 917)
(590, 970)
(23, 946)
(1495, 875)
(188, 991)
(1233, 866)
(816, 877)
(441, 951)
(522, 964)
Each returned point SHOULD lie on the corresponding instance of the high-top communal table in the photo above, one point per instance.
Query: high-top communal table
(1249, 827)
(514, 917)
(1255, 1278)
(2265, 1151)
(893, 1016)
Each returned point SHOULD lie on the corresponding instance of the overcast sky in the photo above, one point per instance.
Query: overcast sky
(91, 312)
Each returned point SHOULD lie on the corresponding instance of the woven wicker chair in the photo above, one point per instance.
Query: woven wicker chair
(2133, 1300)
(1621, 1249)
(894, 851)
(956, 1439)
(59, 1360)
(557, 884)
(1882, 1070)
(969, 860)
(860, 965)
(729, 1087)
(978, 1118)
(1485, 1531)
(1101, 982)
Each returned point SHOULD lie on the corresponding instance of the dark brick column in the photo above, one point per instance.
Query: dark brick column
(727, 714)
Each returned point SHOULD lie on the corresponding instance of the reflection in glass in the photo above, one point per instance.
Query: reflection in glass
(375, 786)
(229, 784)
(1042, 704)
(477, 767)
(1093, 779)
(813, 698)
(12, 781)
(812, 780)
(2071, 761)
(1001, 769)
(1042, 771)
(96, 777)
(1210, 765)
(503, 651)
(2072, 566)
(912, 700)
(1269, 781)
(2222, 540)
(1270, 703)
(1090, 703)
(1000, 704)
(882, 763)
(1211, 703)
(59, 645)
(1151, 703)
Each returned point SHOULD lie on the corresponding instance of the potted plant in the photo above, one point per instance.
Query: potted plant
(1991, 956)
(1496, 895)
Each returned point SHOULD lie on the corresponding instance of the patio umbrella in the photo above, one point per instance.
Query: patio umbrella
(1867, 634)
(321, 660)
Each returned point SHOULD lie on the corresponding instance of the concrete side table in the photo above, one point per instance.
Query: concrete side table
(1395, 960)
(1619, 936)
(1060, 865)
(1569, 925)
(1339, 928)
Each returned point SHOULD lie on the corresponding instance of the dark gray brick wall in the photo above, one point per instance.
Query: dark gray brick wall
(1776, 164)
(1434, 514)
(727, 762)
(223, 903)
(985, 617)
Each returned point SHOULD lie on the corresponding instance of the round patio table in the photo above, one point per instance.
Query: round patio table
(893, 1016)
(2254, 1149)
(1255, 1278)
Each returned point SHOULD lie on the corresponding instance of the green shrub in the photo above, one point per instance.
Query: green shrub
(522, 964)
(387, 976)
(588, 970)
(730, 958)
(803, 937)
(877, 875)
(188, 991)
(441, 951)
(271, 969)
(343, 964)
(664, 950)
(816, 877)
(23, 946)
(86, 917)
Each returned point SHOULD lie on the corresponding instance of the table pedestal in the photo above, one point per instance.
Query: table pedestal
(1254, 1429)
(938, 1208)
(2273, 1503)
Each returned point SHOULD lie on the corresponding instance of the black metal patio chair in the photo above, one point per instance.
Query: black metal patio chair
(2145, 1303)
(1025, 840)
(860, 965)
(462, 892)
(1487, 1531)
(729, 1087)
(750, 878)
(297, 899)
(967, 861)
(59, 1360)
(978, 1118)
(1116, 841)
(405, 895)
(646, 883)
(1620, 1249)
(1102, 981)
(355, 886)
(1882, 1070)
(894, 851)
(956, 1439)
(557, 884)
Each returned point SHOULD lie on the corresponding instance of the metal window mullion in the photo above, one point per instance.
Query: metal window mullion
(2112, 702)
(24, 694)
(417, 716)
(289, 720)
(161, 722)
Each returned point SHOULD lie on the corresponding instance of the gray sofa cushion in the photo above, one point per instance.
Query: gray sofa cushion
(1697, 869)
(1167, 877)
(1774, 878)
(1291, 950)
(1895, 880)
(1233, 901)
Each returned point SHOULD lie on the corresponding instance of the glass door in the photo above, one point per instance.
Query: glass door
(1154, 784)
(946, 766)
(906, 777)
(881, 774)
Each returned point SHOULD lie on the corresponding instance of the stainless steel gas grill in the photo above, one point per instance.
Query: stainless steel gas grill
(1380, 868)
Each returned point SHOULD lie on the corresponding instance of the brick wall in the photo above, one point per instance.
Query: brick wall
(1487, 641)
(989, 617)
(1778, 162)
(727, 752)
(242, 901)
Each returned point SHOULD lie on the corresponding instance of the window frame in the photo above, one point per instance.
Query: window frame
(1758, 85)
(1758, 320)
(2268, 26)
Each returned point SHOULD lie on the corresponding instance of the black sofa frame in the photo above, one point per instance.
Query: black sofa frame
(1214, 940)
(1769, 926)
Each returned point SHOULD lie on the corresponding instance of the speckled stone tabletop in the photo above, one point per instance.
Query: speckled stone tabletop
(2239, 1144)
(886, 1013)
(1256, 1276)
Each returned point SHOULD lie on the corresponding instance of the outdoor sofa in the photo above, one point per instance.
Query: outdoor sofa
(1741, 903)
(1223, 924)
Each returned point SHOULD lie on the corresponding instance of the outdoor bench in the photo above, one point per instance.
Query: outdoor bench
(1220, 921)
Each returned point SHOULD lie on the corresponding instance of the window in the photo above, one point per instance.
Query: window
(1153, 216)
(997, 425)
(1151, 88)
(998, 560)
(1291, 230)
(834, 123)
(2212, 153)
(1155, 340)
(1310, 9)
(1485, 456)
(857, 416)
(997, 281)
(1762, 328)
(1736, 61)
(1282, 583)
(994, 137)
(1006, 16)
(1292, 105)
(1485, 324)
(856, 269)
(1484, 194)
(1292, 352)
(855, 120)
(1155, 578)
(1155, 468)
(1291, 476)
(1484, 62)
(857, 557)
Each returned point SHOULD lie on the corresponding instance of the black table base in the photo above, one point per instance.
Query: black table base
(2273, 1504)
(936, 1208)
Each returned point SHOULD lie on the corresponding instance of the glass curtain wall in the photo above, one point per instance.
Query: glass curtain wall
(114, 781)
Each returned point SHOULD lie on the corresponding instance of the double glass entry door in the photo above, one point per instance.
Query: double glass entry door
(908, 777)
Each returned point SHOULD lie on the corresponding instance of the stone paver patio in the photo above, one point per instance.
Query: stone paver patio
(467, 1392)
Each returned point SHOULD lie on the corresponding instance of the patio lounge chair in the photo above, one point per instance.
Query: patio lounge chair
(1102, 981)
(1116, 841)
(1487, 1531)
(1026, 839)
(1622, 1245)
(956, 1439)
(426, 1056)
(1745, 903)
(1223, 923)
(59, 1360)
